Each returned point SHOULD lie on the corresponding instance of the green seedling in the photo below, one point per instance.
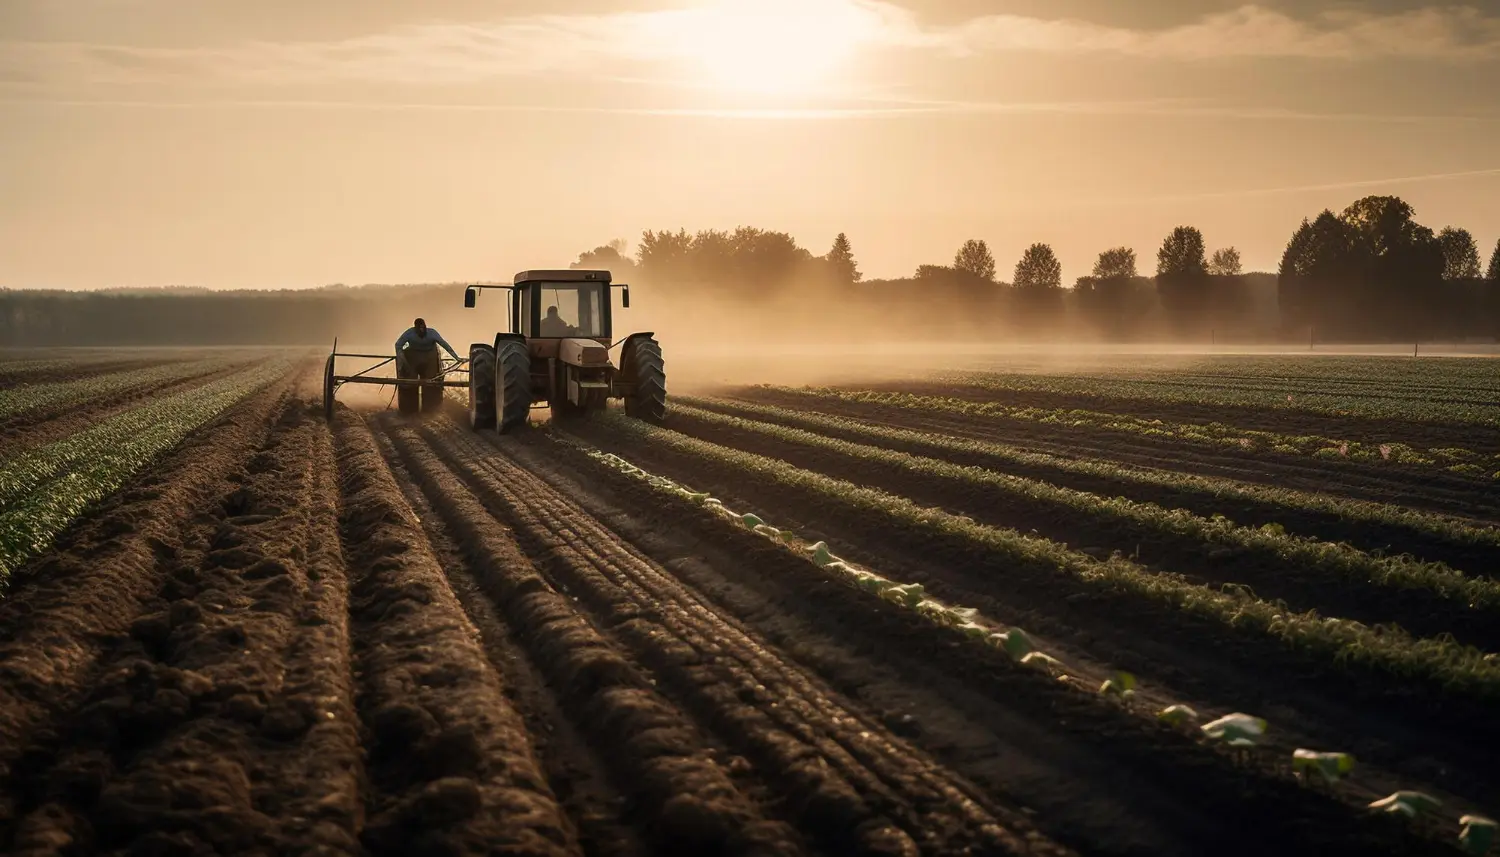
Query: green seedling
(1121, 684)
(1477, 835)
(1236, 730)
(1332, 767)
(1408, 803)
(1177, 715)
(1014, 642)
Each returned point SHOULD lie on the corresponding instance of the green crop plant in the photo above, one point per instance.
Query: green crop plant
(1340, 643)
(43, 490)
(1205, 434)
(1151, 521)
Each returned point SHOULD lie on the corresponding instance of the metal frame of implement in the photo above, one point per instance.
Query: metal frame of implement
(332, 381)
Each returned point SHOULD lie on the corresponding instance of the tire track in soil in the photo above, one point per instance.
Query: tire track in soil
(66, 611)
(1422, 612)
(1420, 488)
(37, 428)
(576, 771)
(1094, 777)
(1421, 736)
(226, 724)
(1392, 538)
(680, 796)
(853, 786)
(450, 769)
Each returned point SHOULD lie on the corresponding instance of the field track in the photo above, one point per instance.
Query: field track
(396, 636)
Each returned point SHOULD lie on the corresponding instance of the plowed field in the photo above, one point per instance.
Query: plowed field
(397, 636)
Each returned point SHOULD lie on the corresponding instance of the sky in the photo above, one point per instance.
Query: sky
(285, 144)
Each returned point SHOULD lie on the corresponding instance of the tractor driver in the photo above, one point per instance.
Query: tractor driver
(419, 359)
(553, 324)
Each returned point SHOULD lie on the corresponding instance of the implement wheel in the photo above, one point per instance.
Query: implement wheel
(328, 389)
(481, 386)
(644, 366)
(512, 385)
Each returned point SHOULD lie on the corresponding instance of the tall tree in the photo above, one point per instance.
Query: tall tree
(1493, 274)
(1116, 263)
(1225, 263)
(1038, 269)
(841, 258)
(1182, 277)
(1181, 253)
(1402, 263)
(975, 258)
(1460, 254)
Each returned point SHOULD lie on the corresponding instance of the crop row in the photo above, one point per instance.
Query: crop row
(1401, 373)
(1473, 600)
(1442, 662)
(43, 490)
(1237, 731)
(1214, 434)
(30, 397)
(1187, 486)
(1325, 398)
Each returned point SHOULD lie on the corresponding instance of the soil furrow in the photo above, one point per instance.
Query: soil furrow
(1398, 727)
(1091, 775)
(575, 771)
(225, 724)
(1416, 488)
(1423, 612)
(1476, 436)
(67, 609)
(1207, 499)
(450, 768)
(865, 783)
(683, 796)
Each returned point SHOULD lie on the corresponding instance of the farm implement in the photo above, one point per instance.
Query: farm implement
(413, 394)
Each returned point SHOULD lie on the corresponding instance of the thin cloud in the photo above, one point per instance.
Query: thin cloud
(1450, 33)
(607, 45)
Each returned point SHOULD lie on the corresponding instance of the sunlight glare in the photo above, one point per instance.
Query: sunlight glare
(780, 47)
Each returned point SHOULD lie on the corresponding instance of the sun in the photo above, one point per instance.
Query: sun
(773, 47)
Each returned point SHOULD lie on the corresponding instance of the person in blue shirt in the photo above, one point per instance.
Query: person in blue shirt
(416, 351)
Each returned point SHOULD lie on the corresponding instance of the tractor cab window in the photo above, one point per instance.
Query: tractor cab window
(570, 309)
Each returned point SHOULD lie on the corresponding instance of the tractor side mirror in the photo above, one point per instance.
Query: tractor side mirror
(469, 295)
(625, 298)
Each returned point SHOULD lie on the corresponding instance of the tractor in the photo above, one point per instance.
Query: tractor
(557, 354)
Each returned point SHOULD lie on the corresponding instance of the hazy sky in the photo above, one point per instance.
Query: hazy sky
(287, 143)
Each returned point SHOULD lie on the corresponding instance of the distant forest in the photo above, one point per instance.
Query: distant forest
(1371, 273)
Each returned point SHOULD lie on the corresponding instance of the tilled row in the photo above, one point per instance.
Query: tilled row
(1335, 582)
(449, 765)
(1459, 542)
(851, 784)
(1202, 658)
(1420, 488)
(1107, 780)
(689, 799)
(68, 613)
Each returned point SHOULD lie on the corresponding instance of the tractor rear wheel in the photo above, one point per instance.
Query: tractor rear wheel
(512, 385)
(481, 386)
(646, 369)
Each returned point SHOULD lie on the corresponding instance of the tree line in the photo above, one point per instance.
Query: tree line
(1369, 273)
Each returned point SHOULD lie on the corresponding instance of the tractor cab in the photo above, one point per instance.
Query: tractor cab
(557, 353)
(558, 304)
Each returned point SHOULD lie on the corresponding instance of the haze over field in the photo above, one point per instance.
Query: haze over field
(282, 144)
